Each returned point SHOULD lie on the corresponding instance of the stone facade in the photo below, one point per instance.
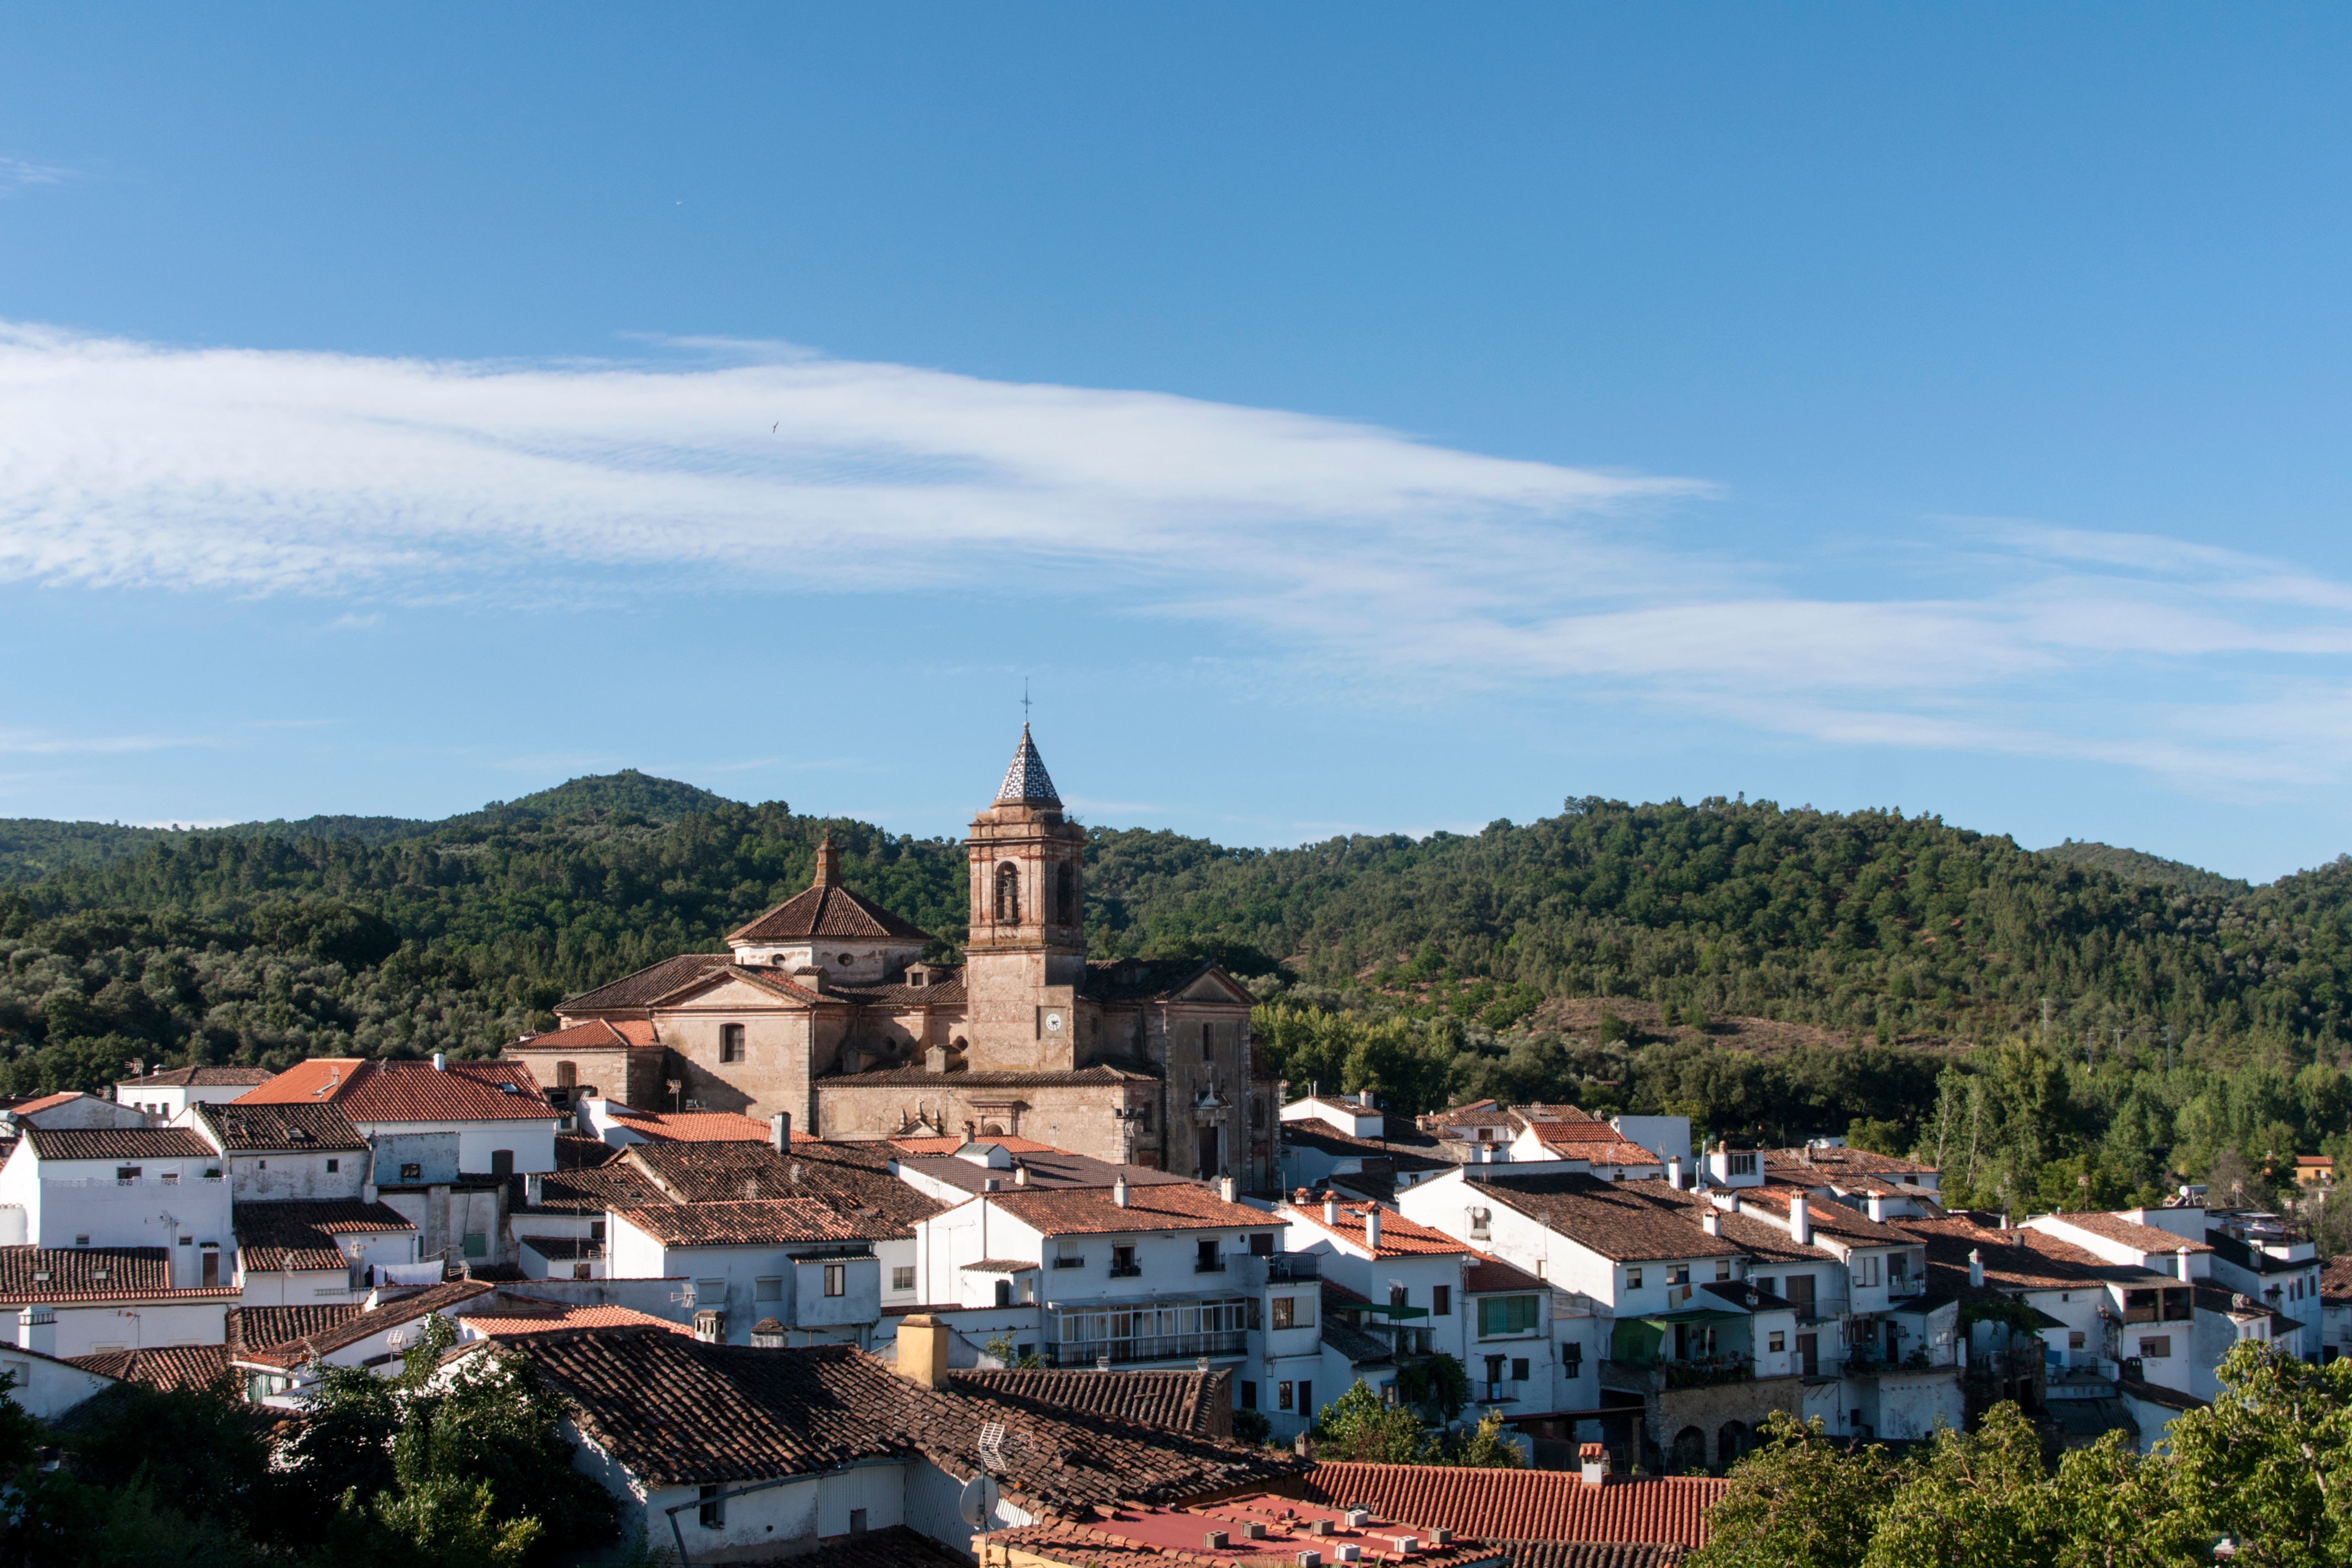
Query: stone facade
(823, 1009)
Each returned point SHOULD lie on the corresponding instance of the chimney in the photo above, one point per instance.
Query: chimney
(440, 1061)
(923, 1350)
(990, 1185)
(1800, 1221)
(1976, 1269)
(1594, 1460)
(828, 864)
(1673, 1170)
(1118, 1191)
(1020, 1176)
(1879, 1207)
(36, 1331)
(710, 1325)
(780, 1132)
(2004, 1221)
(1372, 1228)
(1711, 1222)
(2183, 1256)
(1330, 1210)
(1226, 1188)
(1215, 1541)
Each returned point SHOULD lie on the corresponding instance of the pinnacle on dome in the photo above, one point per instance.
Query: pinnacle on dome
(1025, 782)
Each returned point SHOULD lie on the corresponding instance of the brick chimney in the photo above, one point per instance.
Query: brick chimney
(1594, 1460)
(923, 1350)
(828, 864)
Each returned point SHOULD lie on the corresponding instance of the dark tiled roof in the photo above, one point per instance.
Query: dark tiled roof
(1141, 979)
(677, 1411)
(771, 1222)
(259, 1327)
(92, 1273)
(895, 1547)
(2014, 1259)
(1805, 1166)
(2335, 1280)
(949, 992)
(856, 1181)
(619, 1184)
(641, 988)
(574, 1153)
(242, 1128)
(274, 1238)
(1051, 1170)
(1417, 1152)
(1593, 1554)
(1360, 1348)
(360, 1325)
(118, 1143)
(826, 912)
(1628, 1221)
(1178, 1401)
(201, 1077)
(168, 1367)
(1487, 1276)
(2123, 1231)
(1526, 1505)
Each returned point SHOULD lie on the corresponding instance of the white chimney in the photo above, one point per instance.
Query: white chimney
(1800, 1221)
(1711, 1222)
(2183, 1256)
(1330, 1210)
(1119, 1192)
(36, 1331)
(1976, 1269)
(1226, 1188)
(1020, 1176)
(1879, 1207)
(780, 1132)
(1674, 1171)
(989, 1184)
(1372, 1228)
(440, 1061)
(1594, 1460)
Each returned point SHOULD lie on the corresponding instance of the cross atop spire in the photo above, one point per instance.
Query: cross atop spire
(1026, 782)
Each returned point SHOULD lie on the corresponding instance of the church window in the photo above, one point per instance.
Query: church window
(1065, 884)
(730, 1042)
(1008, 894)
(1207, 1040)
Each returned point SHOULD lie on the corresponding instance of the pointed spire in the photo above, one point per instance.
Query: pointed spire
(1025, 783)
(828, 865)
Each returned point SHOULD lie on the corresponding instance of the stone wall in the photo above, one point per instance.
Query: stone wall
(1671, 1411)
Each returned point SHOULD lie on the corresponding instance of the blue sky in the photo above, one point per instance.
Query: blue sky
(1347, 418)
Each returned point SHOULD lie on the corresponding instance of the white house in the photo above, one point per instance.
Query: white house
(120, 1186)
(277, 1153)
(46, 1386)
(795, 1261)
(167, 1094)
(73, 1109)
(77, 1302)
(376, 1338)
(501, 1124)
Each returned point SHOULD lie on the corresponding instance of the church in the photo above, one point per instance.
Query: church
(823, 1010)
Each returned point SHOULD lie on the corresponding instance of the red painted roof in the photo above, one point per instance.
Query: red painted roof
(1526, 1505)
(368, 1091)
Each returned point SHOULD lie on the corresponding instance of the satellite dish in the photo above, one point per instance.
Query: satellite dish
(979, 1500)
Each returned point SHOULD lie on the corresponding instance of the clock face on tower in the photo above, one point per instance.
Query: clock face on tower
(1052, 1023)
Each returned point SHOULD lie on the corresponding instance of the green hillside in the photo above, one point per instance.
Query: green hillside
(2137, 866)
(1622, 955)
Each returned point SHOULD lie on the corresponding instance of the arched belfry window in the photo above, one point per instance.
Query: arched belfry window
(1008, 894)
(1066, 895)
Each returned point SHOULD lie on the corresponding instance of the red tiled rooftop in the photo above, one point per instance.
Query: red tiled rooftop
(367, 1090)
(950, 1145)
(1089, 1210)
(1526, 1505)
(1400, 1236)
(2128, 1232)
(513, 1317)
(695, 1126)
(596, 1034)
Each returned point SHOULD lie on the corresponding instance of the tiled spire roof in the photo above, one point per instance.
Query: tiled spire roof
(1025, 782)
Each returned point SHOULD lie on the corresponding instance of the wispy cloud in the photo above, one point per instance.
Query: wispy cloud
(1353, 553)
(50, 743)
(17, 174)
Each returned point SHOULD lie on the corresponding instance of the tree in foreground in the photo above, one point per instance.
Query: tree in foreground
(1362, 1426)
(1801, 1500)
(2269, 1463)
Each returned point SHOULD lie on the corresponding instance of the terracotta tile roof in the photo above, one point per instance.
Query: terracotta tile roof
(259, 1327)
(1416, 1152)
(167, 1367)
(1593, 1554)
(2114, 1228)
(278, 1237)
(825, 912)
(1627, 1222)
(199, 1078)
(694, 1127)
(893, 1547)
(1050, 1171)
(359, 1326)
(762, 1222)
(920, 1077)
(369, 1092)
(1611, 1151)
(513, 1317)
(768, 979)
(1526, 1505)
(1490, 1276)
(575, 1153)
(49, 1102)
(1827, 1216)
(675, 1411)
(1089, 1210)
(2015, 1260)
(639, 989)
(950, 1145)
(1172, 1538)
(595, 1034)
(2335, 1280)
(1178, 1401)
(1400, 1236)
(29, 1274)
(118, 1143)
(902, 997)
(1140, 978)
(619, 1184)
(242, 1129)
(845, 1177)
(1800, 1165)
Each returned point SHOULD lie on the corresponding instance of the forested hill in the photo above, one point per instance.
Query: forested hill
(2137, 866)
(252, 944)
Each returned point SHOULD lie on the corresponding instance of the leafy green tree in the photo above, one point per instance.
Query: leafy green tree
(1362, 1426)
(1436, 1387)
(1486, 1446)
(1978, 1499)
(2269, 1463)
(1799, 1501)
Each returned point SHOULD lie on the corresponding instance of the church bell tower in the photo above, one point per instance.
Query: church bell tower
(1026, 955)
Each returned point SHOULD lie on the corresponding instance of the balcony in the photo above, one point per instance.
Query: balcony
(1292, 1268)
(1127, 1271)
(1209, 1265)
(1079, 1262)
(1163, 1347)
